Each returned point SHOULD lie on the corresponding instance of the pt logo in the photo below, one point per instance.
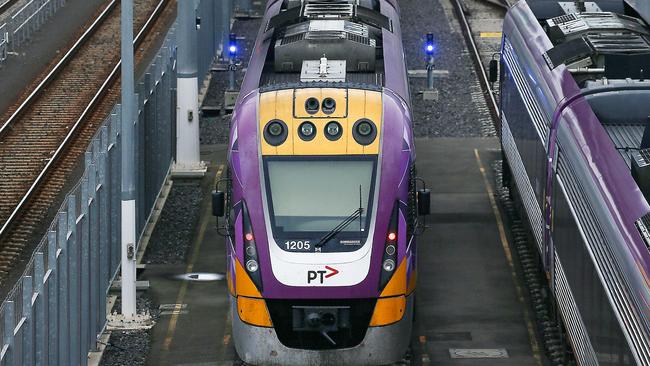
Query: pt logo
(321, 275)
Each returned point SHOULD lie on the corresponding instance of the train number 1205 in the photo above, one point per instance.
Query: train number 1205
(297, 244)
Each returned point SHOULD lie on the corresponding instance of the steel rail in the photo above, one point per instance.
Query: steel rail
(7, 5)
(89, 108)
(57, 68)
(478, 64)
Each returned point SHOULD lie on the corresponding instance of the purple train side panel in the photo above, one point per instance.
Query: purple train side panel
(575, 137)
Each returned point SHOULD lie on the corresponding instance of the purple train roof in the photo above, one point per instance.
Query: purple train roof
(394, 63)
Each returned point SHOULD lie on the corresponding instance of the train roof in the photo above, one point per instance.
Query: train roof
(608, 55)
(339, 43)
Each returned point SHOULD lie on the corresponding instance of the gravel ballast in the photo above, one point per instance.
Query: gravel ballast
(172, 236)
(130, 348)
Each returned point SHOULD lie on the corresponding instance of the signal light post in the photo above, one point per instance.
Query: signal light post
(429, 49)
(231, 94)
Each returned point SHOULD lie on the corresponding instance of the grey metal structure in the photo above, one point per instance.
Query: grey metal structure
(57, 308)
(21, 25)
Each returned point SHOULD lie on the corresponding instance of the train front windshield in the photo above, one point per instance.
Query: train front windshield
(310, 197)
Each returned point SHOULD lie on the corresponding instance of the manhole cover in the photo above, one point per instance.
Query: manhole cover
(201, 277)
(478, 353)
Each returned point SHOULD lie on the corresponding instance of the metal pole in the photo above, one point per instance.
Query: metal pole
(232, 68)
(226, 12)
(430, 67)
(187, 108)
(128, 163)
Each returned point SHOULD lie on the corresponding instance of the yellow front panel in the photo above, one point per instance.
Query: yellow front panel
(289, 106)
(267, 113)
(374, 112)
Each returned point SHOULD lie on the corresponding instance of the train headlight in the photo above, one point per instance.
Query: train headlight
(389, 265)
(307, 131)
(329, 105)
(275, 132)
(333, 131)
(364, 131)
(312, 105)
(390, 249)
(275, 129)
(364, 128)
(252, 266)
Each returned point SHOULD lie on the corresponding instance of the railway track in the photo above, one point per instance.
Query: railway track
(44, 137)
(549, 328)
(479, 52)
(6, 5)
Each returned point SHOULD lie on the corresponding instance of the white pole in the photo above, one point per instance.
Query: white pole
(128, 164)
(187, 97)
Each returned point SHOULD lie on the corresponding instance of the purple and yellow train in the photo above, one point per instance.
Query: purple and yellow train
(322, 202)
(575, 113)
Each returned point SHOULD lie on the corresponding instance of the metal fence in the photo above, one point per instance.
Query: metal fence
(57, 309)
(55, 313)
(4, 42)
(22, 24)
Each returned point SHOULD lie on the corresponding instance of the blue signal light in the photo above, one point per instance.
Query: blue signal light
(430, 46)
(232, 45)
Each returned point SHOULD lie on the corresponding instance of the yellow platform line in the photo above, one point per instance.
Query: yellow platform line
(490, 34)
(534, 344)
(190, 266)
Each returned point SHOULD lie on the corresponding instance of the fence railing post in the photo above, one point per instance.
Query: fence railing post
(94, 249)
(64, 304)
(8, 330)
(104, 242)
(40, 328)
(85, 335)
(74, 281)
(52, 299)
(28, 324)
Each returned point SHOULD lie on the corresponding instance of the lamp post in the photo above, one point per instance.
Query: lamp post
(128, 209)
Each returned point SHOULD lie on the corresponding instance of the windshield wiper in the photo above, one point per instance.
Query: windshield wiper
(340, 227)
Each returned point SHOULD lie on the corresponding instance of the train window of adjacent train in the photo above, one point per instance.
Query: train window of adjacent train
(315, 195)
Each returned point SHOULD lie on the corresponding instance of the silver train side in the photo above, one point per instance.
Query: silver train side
(574, 113)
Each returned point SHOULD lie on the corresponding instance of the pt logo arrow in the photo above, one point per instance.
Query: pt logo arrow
(321, 275)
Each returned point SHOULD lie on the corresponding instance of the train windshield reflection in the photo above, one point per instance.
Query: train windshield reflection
(315, 195)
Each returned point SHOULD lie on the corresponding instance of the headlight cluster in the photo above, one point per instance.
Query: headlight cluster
(389, 260)
(250, 249)
(312, 105)
(364, 131)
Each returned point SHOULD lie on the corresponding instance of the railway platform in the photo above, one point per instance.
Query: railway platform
(470, 307)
